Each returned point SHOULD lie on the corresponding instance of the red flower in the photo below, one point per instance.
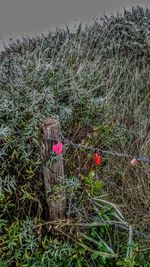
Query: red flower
(97, 159)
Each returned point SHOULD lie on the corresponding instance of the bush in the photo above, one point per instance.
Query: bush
(97, 79)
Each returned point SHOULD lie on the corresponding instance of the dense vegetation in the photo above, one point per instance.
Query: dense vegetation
(97, 78)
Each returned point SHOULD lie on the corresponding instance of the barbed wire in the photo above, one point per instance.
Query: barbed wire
(101, 151)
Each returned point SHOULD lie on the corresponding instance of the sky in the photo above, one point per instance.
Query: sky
(29, 17)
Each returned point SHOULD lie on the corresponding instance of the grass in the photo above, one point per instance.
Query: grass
(97, 79)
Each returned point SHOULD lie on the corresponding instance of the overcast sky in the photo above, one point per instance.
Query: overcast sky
(18, 17)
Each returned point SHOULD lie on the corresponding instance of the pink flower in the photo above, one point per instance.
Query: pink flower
(57, 148)
(134, 162)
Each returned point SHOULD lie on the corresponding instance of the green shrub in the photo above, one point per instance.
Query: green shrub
(97, 80)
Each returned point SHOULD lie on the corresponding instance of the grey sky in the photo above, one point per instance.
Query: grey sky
(19, 17)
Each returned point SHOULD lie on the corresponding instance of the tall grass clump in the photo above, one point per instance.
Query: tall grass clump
(96, 78)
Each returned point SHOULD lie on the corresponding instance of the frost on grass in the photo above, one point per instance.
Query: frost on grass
(97, 79)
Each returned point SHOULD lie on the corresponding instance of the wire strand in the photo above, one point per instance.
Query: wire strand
(111, 153)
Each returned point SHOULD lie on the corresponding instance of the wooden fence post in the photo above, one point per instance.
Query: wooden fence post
(53, 169)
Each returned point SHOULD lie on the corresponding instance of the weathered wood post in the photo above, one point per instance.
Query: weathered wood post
(53, 169)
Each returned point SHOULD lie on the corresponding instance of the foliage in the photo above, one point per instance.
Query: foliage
(97, 79)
